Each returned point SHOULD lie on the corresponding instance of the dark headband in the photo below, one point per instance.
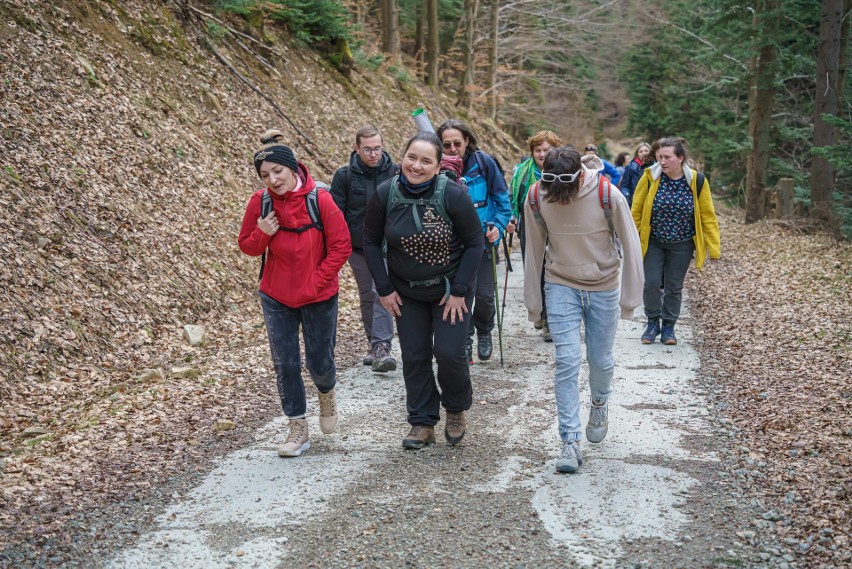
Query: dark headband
(279, 154)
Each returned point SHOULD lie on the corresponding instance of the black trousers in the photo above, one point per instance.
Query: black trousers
(485, 305)
(423, 334)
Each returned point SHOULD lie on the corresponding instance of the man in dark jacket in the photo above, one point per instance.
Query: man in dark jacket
(351, 188)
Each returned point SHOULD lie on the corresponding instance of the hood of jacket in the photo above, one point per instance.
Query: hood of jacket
(657, 170)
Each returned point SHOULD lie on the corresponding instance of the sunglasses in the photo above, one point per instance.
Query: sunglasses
(453, 144)
(564, 178)
(590, 147)
(367, 150)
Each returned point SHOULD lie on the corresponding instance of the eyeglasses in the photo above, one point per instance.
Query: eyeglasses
(367, 150)
(453, 144)
(591, 147)
(564, 178)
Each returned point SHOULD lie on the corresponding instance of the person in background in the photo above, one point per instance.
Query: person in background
(298, 285)
(351, 187)
(621, 162)
(676, 219)
(526, 174)
(487, 189)
(608, 169)
(434, 244)
(633, 171)
(586, 281)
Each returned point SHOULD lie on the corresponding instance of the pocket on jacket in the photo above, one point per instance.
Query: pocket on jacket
(588, 273)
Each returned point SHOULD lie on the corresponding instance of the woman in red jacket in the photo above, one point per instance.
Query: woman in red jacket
(298, 284)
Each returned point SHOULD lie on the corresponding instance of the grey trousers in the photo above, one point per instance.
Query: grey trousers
(665, 267)
(378, 322)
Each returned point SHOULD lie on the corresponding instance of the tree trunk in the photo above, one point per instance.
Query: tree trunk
(492, 58)
(390, 29)
(761, 97)
(432, 44)
(828, 71)
(420, 39)
(471, 7)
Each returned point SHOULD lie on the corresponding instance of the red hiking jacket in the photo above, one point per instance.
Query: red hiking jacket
(301, 268)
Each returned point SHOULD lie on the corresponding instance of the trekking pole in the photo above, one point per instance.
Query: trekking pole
(496, 295)
(506, 251)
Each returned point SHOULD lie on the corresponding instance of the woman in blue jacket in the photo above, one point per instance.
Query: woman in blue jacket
(633, 171)
(487, 188)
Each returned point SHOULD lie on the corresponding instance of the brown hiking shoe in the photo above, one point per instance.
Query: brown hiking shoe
(297, 440)
(454, 427)
(328, 412)
(418, 437)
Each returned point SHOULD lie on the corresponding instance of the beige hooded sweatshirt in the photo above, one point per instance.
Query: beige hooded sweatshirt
(575, 245)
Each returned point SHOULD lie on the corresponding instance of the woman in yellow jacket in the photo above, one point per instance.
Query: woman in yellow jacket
(675, 219)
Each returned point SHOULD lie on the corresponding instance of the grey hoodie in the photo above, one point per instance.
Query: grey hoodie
(575, 244)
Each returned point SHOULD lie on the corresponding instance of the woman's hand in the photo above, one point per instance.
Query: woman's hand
(492, 234)
(455, 307)
(392, 303)
(268, 224)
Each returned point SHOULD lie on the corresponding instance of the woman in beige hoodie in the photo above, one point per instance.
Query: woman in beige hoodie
(592, 273)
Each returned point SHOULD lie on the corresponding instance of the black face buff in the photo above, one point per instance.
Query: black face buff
(279, 154)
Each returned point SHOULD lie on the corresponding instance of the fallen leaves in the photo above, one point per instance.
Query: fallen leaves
(775, 315)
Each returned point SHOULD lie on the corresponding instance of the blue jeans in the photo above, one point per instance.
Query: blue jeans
(319, 330)
(566, 308)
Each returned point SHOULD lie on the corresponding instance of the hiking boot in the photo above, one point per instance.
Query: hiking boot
(547, 336)
(371, 355)
(418, 437)
(328, 412)
(667, 336)
(597, 426)
(652, 330)
(454, 427)
(539, 324)
(297, 439)
(383, 361)
(484, 347)
(468, 352)
(571, 458)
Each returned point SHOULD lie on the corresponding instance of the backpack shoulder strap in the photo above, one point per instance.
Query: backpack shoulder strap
(606, 201)
(605, 196)
(535, 204)
(699, 183)
(440, 197)
(265, 203)
(265, 208)
(312, 204)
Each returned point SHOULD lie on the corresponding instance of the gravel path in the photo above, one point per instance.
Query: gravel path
(651, 494)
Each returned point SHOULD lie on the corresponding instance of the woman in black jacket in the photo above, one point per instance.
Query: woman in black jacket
(434, 244)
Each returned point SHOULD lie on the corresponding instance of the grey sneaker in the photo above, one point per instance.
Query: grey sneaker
(297, 439)
(371, 355)
(571, 458)
(328, 412)
(383, 360)
(597, 426)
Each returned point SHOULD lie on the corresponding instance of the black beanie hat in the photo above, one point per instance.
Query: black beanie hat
(279, 154)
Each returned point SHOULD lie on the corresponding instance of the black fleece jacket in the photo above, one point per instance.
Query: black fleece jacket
(352, 200)
(440, 250)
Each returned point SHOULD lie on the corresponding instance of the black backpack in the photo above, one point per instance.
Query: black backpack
(311, 204)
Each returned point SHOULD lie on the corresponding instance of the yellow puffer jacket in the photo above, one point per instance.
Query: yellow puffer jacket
(706, 225)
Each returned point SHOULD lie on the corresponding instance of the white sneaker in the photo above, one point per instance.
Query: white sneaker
(571, 458)
(328, 412)
(297, 440)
